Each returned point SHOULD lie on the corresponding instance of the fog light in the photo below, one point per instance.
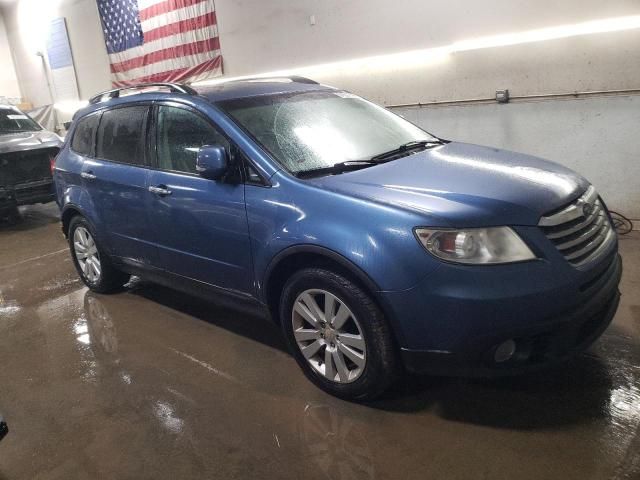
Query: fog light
(504, 351)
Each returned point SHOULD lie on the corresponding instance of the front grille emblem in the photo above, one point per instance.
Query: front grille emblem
(587, 209)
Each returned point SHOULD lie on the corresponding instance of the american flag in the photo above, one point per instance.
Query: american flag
(160, 40)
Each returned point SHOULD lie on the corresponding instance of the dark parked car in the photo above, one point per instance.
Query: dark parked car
(373, 243)
(27, 153)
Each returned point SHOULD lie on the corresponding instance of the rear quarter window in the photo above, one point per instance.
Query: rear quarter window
(121, 135)
(85, 135)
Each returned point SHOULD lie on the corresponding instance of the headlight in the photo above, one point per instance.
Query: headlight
(475, 245)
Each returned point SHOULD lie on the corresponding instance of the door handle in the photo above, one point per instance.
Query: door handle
(88, 175)
(161, 190)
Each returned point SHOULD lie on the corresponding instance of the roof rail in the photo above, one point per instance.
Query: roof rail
(299, 79)
(279, 78)
(115, 93)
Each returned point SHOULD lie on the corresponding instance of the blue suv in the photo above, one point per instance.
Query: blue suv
(375, 245)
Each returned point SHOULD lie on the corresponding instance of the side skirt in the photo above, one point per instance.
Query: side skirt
(224, 298)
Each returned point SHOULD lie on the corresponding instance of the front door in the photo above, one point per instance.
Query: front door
(200, 225)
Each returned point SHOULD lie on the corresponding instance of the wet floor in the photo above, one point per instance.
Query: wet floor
(154, 384)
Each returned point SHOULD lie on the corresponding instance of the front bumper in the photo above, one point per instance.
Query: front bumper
(547, 327)
(30, 193)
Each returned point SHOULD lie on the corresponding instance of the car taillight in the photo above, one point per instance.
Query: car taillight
(52, 163)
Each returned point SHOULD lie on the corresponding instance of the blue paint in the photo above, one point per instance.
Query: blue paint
(231, 235)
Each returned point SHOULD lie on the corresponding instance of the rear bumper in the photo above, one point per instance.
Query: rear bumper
(552, 340)
(41, 191)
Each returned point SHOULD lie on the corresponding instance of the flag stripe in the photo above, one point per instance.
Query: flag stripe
(160, 40)
(174, 16)
(167, 54)
(164, 7)
(165, 66)
(142, 4)
(180, 27)
(164, 43)
(177, 75)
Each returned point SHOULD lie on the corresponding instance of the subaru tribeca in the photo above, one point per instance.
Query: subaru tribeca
(375, 245)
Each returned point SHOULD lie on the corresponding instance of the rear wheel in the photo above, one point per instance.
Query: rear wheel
(93, 265)
(337, 334)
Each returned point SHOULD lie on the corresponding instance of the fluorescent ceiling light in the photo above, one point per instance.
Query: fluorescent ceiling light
(417, 58)
(359, 66)
(539, 35)
(34, 22)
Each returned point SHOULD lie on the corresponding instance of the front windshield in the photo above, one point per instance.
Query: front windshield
(12, 121)
(312, 130)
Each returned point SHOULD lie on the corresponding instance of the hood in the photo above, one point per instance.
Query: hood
(463, 185)
(23, 141)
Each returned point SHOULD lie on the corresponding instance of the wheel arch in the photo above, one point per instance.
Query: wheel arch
(67, 214)
(297, 257)
(69, 211)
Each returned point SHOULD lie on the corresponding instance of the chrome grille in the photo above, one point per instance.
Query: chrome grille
(581, 231)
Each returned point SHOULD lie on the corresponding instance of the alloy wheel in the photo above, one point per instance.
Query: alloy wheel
(86, 252)
(329, 336)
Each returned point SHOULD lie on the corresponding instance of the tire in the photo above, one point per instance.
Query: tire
(103, 279)
(13, 216)
(342, 364)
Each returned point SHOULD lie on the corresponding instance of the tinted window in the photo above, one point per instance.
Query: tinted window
(252, 175)
(121, 135)
(181, 134)
(85, 135)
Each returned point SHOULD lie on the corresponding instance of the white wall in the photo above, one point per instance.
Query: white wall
(27, 22)
(258, 35)
(270, 35)
(596, 136)
(8, 80)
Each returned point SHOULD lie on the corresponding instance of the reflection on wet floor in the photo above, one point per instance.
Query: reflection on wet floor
(150, 383)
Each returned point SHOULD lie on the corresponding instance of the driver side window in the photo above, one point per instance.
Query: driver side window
(180, 134)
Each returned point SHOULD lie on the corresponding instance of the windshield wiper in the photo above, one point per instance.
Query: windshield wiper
(406, 147)
(336, 168)
(375, 160)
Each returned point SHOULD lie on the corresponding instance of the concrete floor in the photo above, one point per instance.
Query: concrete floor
(154, 384)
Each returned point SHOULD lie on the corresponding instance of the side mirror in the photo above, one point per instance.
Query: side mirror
(212, 162)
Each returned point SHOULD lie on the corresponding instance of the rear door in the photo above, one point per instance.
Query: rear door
(117, 179)
(200, 225)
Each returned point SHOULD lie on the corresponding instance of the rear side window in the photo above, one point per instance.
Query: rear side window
(121, 135)
(85, 135)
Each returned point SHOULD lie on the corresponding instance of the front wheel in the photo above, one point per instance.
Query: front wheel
(337, 334)
(93, 265)
(12, 215)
